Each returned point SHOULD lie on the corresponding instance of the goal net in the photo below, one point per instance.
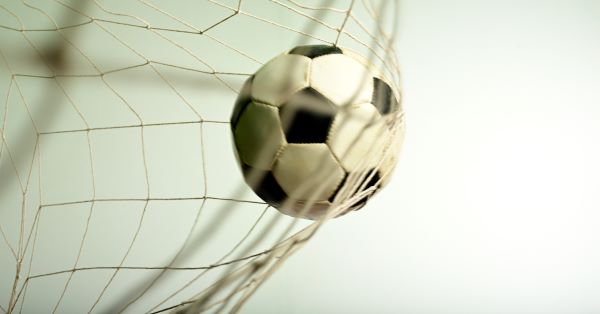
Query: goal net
(119, 188)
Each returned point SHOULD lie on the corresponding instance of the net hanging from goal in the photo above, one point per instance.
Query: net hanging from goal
(119, 191)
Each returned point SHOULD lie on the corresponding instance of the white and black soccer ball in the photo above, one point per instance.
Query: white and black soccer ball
(310, 121)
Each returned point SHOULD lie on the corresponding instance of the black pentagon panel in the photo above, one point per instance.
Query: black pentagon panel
(241, 102)
(373, 181)
(383, 97)
(360, 203)
(265, 185)
(337, 190)
(306, 117)
(313, 51)
(373, 178)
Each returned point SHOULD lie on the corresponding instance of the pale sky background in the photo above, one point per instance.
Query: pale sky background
(495, 204)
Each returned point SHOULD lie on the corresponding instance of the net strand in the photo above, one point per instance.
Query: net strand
(2, 130)
(316, 8)
(340, 30)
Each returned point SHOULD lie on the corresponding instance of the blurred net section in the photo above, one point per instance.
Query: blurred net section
(119, 189)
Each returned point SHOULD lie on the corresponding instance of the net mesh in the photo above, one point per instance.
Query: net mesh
(119, 191)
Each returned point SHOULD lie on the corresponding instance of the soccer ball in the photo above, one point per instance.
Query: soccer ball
(312, 127)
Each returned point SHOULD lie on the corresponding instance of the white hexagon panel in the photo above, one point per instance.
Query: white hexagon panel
(342, 79)
(358, 136)
(308, 172)
(280, 78)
